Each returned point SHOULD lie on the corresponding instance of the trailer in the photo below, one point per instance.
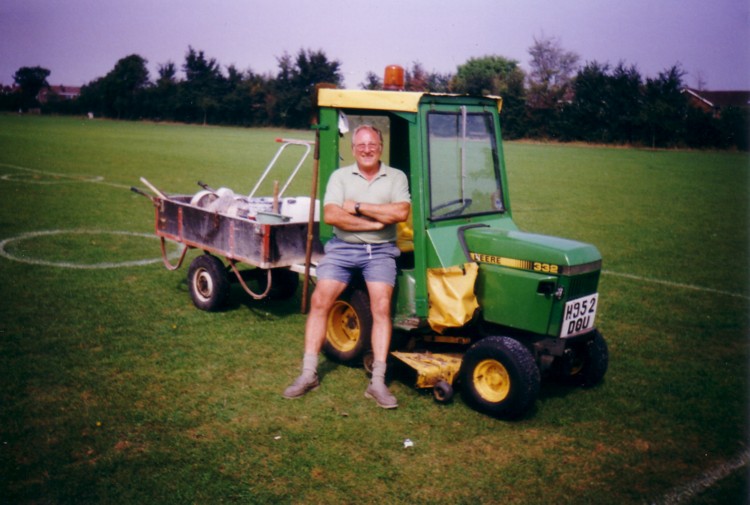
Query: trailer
(270, 234)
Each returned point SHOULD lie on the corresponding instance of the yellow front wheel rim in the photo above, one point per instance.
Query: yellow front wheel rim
(491, 380)
(343, 327)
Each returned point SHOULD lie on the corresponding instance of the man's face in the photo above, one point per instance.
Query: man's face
(367, 149)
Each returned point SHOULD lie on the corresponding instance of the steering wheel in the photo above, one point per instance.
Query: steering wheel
(464, 204)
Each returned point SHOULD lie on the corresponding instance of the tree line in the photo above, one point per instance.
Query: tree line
(557, 99)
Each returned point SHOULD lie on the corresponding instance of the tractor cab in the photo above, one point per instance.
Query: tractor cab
(466, 271)
(448, 148)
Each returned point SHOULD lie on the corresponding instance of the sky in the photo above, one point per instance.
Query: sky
(81, 40)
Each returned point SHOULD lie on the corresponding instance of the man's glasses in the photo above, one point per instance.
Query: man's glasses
(363, 147)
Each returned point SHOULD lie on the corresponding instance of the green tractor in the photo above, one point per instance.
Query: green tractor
(478, 304)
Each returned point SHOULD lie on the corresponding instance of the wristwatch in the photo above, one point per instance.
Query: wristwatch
(356, 209)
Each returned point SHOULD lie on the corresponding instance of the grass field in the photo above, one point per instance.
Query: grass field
(115, 389)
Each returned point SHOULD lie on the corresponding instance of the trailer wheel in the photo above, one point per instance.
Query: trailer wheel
(499, 377)
(349, 326)
(590, 362)
(209, 282)
(442, 392)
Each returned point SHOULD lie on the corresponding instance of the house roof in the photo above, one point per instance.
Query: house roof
(66, 92)
(721, 99)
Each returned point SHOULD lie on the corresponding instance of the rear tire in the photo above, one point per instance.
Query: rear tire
(349, 327)
(499, 377)
(209, 283)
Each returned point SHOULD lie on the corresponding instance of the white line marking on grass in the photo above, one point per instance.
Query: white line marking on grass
(98, 179)
(80, 266)
(676, 284)
(705, 481)
(63, 179)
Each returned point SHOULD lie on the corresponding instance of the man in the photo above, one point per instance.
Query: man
(363, 202)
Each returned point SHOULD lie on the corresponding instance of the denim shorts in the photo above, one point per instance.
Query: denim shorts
(376, 262)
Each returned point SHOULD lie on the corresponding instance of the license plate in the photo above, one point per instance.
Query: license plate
(579, 316)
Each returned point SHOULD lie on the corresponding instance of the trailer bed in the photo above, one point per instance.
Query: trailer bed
(264, 245)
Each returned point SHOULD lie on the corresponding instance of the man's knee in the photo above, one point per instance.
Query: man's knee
(380, 308)
(320, 304)
(325, 295)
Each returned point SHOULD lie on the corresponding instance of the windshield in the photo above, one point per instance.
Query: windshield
(464, 172)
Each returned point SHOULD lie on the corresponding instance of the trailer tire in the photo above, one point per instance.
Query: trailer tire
(349, 327)
(209, 282)
(499, 377)
(592, 362)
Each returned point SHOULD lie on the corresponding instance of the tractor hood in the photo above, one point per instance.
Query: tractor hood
(533, 252)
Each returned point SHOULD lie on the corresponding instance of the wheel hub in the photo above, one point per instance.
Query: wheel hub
(203, 284)
(343, 326)
(491, 380)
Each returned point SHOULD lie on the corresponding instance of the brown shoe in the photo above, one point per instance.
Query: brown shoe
(379, 392)
(304, 383)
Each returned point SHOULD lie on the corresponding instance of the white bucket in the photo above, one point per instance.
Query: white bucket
(298, 208)
(202, 199)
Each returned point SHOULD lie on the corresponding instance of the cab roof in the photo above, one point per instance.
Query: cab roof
(402, 101)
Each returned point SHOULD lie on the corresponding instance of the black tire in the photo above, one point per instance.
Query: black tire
(284, 283)
(349, 327)
(590, 362)
(209, 283)
(499, 377)
(442, 392)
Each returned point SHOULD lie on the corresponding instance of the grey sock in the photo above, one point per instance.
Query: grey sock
(378, 371)
(310, 363)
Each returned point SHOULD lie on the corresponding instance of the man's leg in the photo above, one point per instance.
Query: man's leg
(325, 294)
(380, 305)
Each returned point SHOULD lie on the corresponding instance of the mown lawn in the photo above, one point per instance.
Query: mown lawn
(117, 390)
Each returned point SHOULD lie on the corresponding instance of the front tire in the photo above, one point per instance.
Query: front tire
(349, 327)
(499, 377)
(590, 362)
(209, 283)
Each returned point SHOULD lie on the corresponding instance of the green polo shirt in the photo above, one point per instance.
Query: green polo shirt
(390, 185)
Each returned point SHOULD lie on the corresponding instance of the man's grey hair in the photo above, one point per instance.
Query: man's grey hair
(367, 127)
